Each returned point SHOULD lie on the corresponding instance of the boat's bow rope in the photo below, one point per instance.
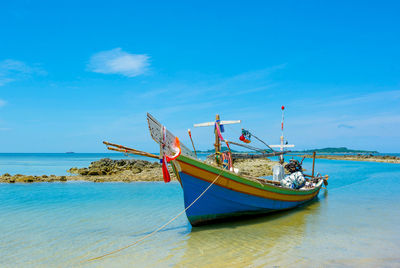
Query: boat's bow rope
(159, 228)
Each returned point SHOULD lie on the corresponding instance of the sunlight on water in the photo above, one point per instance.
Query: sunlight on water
(61, 224)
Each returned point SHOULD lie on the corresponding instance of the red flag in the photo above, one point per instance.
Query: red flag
(165, 172)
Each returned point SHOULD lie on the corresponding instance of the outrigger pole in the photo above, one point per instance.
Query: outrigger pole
(190, 136)
(127, 150)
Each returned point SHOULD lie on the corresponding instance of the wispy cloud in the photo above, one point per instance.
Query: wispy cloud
(370, 97)
(117, 61)
(212, 88)
(345, 126)
(12, 70)
(2, 103)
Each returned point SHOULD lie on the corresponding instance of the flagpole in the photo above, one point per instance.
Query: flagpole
(281, 158)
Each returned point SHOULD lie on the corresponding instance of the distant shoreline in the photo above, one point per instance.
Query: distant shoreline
(359, 157)
(134, 170)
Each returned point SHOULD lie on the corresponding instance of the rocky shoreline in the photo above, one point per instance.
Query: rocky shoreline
(130, 170)
(359, 157)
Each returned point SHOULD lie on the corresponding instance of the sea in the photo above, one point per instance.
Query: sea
(353, 223)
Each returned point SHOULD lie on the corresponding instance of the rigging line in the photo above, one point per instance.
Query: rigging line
(248, 147)
(262, 141)
(159, 228)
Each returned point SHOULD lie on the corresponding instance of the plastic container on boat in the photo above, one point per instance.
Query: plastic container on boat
(278, 172)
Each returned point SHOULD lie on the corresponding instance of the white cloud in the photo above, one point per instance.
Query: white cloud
(11, 70)
(117, 61)
(2, 103)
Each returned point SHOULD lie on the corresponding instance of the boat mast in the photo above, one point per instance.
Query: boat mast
(281, 158)
(282, 146)
(217, 144)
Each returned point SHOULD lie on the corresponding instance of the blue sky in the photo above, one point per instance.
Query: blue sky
(74, 74)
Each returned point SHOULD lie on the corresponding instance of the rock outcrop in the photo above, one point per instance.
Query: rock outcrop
(104, 170)
(129, 170)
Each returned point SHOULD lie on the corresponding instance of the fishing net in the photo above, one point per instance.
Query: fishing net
(295, 180)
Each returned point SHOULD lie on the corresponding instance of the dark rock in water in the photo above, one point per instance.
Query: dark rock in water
(136, 170)
(83, 171)
(95, 172)
(121, 163)
(22, 178)
(73, 170)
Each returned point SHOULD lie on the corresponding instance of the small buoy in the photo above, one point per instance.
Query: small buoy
(283, 107)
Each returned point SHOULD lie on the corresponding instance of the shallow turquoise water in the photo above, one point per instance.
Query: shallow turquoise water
(55, 163)
(354, 223)
(50, 163)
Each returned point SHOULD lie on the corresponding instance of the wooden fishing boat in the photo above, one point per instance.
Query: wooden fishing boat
(212, 192)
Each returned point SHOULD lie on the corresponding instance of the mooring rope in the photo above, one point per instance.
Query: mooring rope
(159, 228)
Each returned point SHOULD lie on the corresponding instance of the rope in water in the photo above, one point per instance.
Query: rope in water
(159, 228)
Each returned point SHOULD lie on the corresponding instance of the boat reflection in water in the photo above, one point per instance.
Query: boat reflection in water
(274, 238)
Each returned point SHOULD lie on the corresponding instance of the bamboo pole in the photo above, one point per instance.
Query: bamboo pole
(190, 136)
(320, 177)
(217, 144)
(313, 164)
(133, 152)
(124, 149)
(117, 145)
(230, 152)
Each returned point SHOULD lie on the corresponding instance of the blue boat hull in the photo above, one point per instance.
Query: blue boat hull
(219, 202)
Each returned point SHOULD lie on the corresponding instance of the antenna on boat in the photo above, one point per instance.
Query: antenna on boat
(283, 112)
(282, 146)
(190, 136)
(220, 124)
